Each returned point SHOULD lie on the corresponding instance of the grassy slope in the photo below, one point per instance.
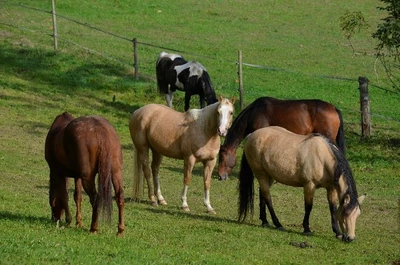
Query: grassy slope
(36, 84)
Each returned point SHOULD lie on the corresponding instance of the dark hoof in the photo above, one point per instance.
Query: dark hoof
(308, 233)
(265, 225)
(281, 228)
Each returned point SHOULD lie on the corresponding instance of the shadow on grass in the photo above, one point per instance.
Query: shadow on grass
(20, 217)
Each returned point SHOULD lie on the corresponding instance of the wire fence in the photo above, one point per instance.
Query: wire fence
(249, 65)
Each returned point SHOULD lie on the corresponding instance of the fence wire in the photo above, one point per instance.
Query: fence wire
(268, 68)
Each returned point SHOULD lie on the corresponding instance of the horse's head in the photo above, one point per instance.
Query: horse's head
(207, 88)
(347, 214)
(225, 115)
(58, 199)
(227, 161)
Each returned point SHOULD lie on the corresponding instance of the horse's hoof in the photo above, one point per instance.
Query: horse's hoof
(79, 225)
(266, 225)
(308, 233)
(281, 228)
(154, 204)
(120, 234)
(162, 202)
(211, 211)
(339, 236)
(186, 209)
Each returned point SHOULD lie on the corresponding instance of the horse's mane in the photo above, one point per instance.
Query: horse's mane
(342, 168)
(233, 133)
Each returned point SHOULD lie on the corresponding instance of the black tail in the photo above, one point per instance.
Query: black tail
(340, 141)
(246, 189)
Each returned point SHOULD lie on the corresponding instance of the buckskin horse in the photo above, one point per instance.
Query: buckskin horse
(303, 116)
(192, 136)
(175, 73)
(308, 161)
(81, 148)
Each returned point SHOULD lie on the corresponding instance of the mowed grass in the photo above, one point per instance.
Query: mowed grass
(36, 84)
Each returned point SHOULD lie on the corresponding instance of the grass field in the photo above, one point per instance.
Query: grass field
(302, 37)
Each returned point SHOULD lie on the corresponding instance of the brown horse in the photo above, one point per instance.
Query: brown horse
(81, 148)
(298, 116)
(313, 161)
(192, 136)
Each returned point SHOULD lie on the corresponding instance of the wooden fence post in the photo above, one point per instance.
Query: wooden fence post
(53, 12)
(135, 59)
(364, 107)
(240, 73)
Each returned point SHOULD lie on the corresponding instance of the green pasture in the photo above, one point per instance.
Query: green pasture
(92, 73)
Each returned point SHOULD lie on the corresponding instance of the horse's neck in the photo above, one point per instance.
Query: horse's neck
(206, 119)
(237, 132)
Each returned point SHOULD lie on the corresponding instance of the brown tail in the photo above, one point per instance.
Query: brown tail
(104, 184)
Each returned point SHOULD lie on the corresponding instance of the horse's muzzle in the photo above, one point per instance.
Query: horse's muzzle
(223, 177)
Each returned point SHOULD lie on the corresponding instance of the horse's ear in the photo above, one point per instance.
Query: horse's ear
(233, 100)
(361, 199)
(346, 200)
(219, 98)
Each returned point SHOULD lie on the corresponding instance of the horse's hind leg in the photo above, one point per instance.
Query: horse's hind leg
(144, 160)
(90, 188)
(169, 97)
(155, 167)
(78, 201)
(332, 200)
(265, 185)
(119, 198)
(187, 175)
(263, 212)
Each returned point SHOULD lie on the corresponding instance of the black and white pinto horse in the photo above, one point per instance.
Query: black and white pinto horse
(175, 73)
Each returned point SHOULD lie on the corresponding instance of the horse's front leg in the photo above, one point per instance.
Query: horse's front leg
(187, 175)
(155, 167)
(78, 201)
(208, 169)
(309, 191)
(332, 200)
(187, 100)
(202, 101)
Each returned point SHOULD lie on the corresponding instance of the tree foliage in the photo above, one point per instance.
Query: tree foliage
(388, 36)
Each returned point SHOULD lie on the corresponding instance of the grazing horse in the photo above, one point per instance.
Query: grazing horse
(192, 136)
(174, 72)
(308, 161)
(299, 116)
(81, 148)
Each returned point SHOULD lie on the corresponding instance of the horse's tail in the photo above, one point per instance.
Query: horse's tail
(104, 183)
(137, 176)
(340, 140)
(246, 189)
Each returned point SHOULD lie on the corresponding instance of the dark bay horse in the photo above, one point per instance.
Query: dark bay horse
(192, 136)
(308, 161)
(81, 148)
(175, 73)
(299, 116)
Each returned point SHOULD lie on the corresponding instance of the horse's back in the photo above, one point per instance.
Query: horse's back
(90, 140)
(159, 127)
(290, 158)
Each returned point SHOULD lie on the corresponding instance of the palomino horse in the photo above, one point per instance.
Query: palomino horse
(311, 162)
(81, 148)
(299, 116)
(192, 136)
(191, 77)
